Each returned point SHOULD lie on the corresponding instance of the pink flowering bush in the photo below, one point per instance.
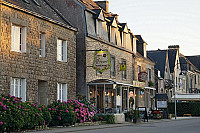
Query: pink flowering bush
(17, 115)
(84, 110)
(62, 114)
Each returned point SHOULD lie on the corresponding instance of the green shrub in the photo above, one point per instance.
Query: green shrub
(17, 115)
(109, 118)
(192, 108)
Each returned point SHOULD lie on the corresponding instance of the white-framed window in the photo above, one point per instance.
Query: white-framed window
(62, 50)
(124, 40)
(112, 69)
(124, 72)
(139, 69)
(149, 74)
(18, 88)
(42, 48)
(18, 38)
(62, 92)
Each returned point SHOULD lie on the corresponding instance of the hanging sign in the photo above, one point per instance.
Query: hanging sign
(101, 61)
(142, 76)
(123, 67)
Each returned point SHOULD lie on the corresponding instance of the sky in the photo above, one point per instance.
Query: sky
(162, 22)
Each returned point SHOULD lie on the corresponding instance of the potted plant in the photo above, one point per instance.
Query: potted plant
(129, 116)
(151, 84)
(156, 114)
(136, 117)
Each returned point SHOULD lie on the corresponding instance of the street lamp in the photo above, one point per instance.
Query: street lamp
(180, 76)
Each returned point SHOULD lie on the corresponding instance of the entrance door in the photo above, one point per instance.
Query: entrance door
(124, 98)
(100, 99)
(42, 92)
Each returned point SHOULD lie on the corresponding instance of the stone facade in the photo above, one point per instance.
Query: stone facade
(29, 65)
(118, 54)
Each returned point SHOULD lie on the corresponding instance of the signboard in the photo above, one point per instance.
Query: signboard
(142, 76)
(138, 84)
(101, 61)
(161, 104)
(118, 101)
(123, 67)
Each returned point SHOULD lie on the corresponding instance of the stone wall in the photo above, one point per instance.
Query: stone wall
(119, 54)
(29, 65)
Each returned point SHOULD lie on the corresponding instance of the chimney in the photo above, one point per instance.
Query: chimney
(103, 4)
(174, 47)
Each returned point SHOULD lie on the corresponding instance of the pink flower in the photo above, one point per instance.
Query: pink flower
(81, 121)
(1, 122)
(49, 109)
(3, 99)
(4, 107)
(40, 109)
(59, 118)
(59, 101)
(43, 107)
(66, 111)
(44, 122)
(77, 114)
(9, 95)
(22, 112)
(37, 114)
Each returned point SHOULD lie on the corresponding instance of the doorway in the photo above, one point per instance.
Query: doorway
(42, 92)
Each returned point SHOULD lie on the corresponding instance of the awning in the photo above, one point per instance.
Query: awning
(187, 97)
(150, 88)
(107, 81)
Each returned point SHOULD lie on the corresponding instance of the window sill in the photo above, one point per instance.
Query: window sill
(61, 61)
(18, 51)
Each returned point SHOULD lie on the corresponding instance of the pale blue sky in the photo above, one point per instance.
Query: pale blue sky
(162, 22)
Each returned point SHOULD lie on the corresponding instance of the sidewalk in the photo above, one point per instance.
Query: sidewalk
(82, 128)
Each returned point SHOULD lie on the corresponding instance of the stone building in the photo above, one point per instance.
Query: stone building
(144, 66)
(100, 30)
(37, 52)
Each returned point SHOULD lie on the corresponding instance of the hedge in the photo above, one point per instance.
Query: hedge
(192, 108)
(16, 115)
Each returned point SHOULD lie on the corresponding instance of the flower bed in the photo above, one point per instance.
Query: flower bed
(17, 115)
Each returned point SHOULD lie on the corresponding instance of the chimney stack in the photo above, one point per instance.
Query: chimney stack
(103, 4)
(174, 47)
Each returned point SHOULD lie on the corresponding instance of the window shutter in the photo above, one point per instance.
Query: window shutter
(11, 87)
(64, 92)
(65, 51)
(23, 89)
(12, 37)
(43, 37)
(58, 91)
(24, 35)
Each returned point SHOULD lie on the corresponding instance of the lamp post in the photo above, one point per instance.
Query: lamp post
(175, 91)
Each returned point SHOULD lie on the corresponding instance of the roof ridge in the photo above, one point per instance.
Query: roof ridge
(59, 14)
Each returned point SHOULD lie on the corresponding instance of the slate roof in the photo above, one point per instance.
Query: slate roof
(195, 60)
(172, 58)
(140, 56)
(90, 4)
(140, 40)
(184, 63)
(161, 96)
(43, 9)
(159, 57)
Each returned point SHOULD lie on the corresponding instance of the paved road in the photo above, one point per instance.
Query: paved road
(176, 126)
